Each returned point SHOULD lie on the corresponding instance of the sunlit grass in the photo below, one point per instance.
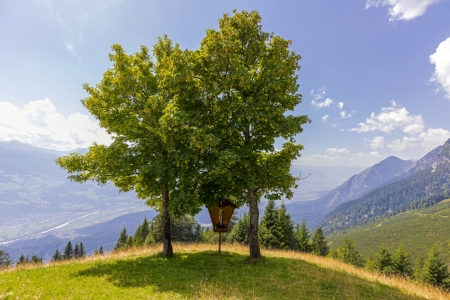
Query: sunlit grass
(197, 271)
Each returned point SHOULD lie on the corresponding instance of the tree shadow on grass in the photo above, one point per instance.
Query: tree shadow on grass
(229, 275)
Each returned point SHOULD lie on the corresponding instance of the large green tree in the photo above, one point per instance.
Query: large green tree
(234, 94)
(144, 154)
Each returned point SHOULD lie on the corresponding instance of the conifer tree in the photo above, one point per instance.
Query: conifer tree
(284, 229)
(267, 225)
(82, 250)
(57, 256)
(76, 251)
(139, 239)
(418, 267)
(36, 259)
(240, 230)
(402, 264)
(383, 261)
(145, 229)
(5, 260)
(129, 242)
(68, 251)
(122, 239)
(23, 260)
(319, 244)
(347, 253)
(303, 237)
(100, 250)
(435, 270)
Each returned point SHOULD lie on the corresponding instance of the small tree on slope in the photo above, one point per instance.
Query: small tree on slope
(435, 270)
(319, 244)
(402, 264)
(303, 237)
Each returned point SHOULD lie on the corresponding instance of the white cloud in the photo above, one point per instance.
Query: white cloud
(428, 140)
(344, 115)
(339, 151)
(391, 118)
(403, 9)
(325, 103)
(324, 118)
(40, 125)
(441, 60)
(341, 105)
(377, 142)
(349, 160)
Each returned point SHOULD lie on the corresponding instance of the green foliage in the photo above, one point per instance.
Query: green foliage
(129, 242)
(57, 256)
(23, 260)
(402, 264)
(76, 251)
(303, 237)
(82, 251)
(284, 230)
(241, 230)
(36, 259)
(68, 251)
(5, 260)
(267, 225)
(418, 268)
(383, 261)
(319, 244)
(435, 270)
(121, 242)
(182, 229)
(347, 253)
(139, 238)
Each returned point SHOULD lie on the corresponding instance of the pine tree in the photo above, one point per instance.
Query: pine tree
(267, 225)
(145, 230)
(23, 260)
(402, 264)
(82, 250)
(347, 253)
(435, 270)
(100, 250)
(5, 260)
(383, 261)
(303, 237)
(129, 242)
(68, 251)
(241, 230)
(76, 251)
(418, 267)
(122, 239)
(36, 259)
(138, 238)
(57, 256)
(319, 244)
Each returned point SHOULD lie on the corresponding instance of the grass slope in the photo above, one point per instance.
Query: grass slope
(198, 272)
(417, 230)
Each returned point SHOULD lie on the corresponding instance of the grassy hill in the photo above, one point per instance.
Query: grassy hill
(198, 272)
(417, 230)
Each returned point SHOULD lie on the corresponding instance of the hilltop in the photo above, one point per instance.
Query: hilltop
(197, 271)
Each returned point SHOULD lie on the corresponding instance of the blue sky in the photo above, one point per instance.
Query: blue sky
(375, 74)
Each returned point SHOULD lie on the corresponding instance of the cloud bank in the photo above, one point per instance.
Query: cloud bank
(40, 125)
(403, 9)
(441, 60)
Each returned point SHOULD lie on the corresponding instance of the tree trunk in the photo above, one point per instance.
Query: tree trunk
(253, 241)
(167, 241)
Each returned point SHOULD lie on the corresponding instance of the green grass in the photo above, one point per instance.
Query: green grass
(192, 274)
(417, 230)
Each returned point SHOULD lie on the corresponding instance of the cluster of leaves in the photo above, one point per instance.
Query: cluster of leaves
(70, 252)
(5, 259)
(277, 231)
(394, 198)
(433, 271)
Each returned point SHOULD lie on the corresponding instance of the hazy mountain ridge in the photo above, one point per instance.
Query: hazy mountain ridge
(396, 196)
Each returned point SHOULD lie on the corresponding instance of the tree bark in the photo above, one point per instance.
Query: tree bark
(253, 240)
(167, 241)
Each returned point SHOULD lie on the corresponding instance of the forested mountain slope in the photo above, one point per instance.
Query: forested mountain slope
(314, 211)
(394, 197)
